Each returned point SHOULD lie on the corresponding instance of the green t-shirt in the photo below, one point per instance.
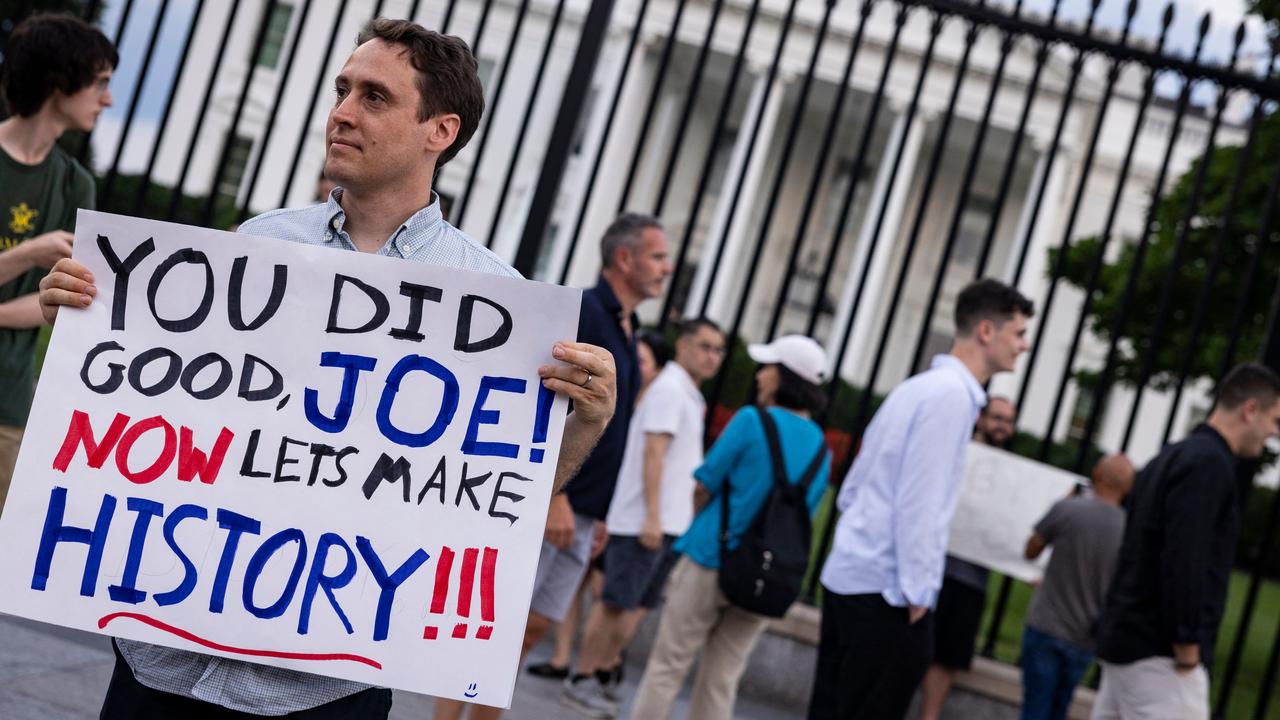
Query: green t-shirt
(35, 199)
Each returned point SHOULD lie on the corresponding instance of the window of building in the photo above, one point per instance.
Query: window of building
(975, 222)
(1080, 411)
(277, 30)
(237, 159)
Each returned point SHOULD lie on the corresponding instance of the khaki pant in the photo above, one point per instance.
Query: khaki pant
(1152, 689)
(10, 439)
(697, 617)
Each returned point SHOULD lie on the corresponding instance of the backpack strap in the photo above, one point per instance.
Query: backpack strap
(815, 465)
(775, 446)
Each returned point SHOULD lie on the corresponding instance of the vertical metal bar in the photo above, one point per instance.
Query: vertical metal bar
(413, 10)
(746, 164)
(664, 62)
(104, 195)
(83, 153)
(779, 177)
(448, 16)
(1046, 443)
(1144, 240)
(91, 9)
(275, 110)
(1268, 679)
(904, 270)
(690, 100)
(604, 141)
(1224, 237)
(465, 201)
(1011, 161)
(321, 71)
(480, 26)
(1068, 97)
(704, 176)
(175, 198)
(1255, 586)
(560, 144)
(1175, 265)
(997, 616)
(206, 217)
(846, 205)
(971, 167)
(826, 150)
(524, 124)
(909, 117)
(139, 200)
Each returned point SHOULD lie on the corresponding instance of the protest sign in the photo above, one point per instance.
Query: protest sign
(316, 459)
(1003, 497)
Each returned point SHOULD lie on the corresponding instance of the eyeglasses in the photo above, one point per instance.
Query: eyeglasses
(710, 348)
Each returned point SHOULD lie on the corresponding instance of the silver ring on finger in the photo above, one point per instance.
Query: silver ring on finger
(587, 382)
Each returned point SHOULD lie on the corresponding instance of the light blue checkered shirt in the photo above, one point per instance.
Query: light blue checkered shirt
(425, 237)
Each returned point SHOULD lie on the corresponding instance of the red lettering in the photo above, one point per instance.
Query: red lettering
(80, 432)
(161, 463)
(192, 461)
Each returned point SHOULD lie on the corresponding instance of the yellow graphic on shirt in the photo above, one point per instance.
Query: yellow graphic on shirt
(22, 218)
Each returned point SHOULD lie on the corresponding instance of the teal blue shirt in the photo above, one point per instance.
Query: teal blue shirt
(740, 461)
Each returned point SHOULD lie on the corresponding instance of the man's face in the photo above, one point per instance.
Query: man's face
(82, 109)
(1262, 423)
(1005, 341)
(996, 424)
(648, 264)
(700, 354)
(374, 138)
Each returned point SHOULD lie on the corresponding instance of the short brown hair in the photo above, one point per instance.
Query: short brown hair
(52, 52)
(1245, 382)
(448, 75)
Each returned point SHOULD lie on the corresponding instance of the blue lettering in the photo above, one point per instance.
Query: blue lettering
(188, 584)
(388, 583)
(236, 525)
(351, 366)
(316, 579)
(126, 591)
(56, 532)
(479, 416)
(448, 402)
(259, 561)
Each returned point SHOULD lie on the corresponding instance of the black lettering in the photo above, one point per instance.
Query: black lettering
(192, 321)
(498, 492)
(112, 383)
(437, 481)
(381, 308)
(462, 339)
(235, 296)
(283, 459)
(337, 462)
(219, 385)
(319, 452)
(165, 383)
(417, 294)
(387, 470)
(250, 453)
(467, 485)
(122, 270)
(246, 380)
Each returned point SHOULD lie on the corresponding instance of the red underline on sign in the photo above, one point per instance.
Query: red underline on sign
(187, 635)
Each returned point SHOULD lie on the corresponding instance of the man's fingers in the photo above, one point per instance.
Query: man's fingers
(71, 267)
(65, 297)
(57, 281)
(582, 356)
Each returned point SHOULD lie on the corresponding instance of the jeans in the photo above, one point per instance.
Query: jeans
(1051, 668)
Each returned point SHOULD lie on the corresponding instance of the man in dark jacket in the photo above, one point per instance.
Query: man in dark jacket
(1158, 628)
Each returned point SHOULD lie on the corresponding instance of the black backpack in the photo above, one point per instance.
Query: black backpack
(764, 573)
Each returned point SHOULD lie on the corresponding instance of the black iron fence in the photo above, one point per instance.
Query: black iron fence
(835, 168)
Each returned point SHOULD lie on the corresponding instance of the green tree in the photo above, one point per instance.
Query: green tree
(1228, 286)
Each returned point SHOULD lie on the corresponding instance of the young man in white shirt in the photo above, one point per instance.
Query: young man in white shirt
(885, 568)
(652, 506)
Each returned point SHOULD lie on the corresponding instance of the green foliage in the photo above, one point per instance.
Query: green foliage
(1205, 228)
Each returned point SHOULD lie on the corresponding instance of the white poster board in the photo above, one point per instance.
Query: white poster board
(1003, 497)
(322, 460)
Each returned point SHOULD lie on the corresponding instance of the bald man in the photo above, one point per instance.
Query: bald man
(1058, 643)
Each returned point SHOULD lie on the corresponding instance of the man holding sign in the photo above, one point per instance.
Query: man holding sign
(407, 101)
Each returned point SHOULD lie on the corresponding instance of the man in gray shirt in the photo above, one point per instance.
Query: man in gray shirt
(1058, 643)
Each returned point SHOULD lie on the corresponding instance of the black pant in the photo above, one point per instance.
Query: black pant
(870, 659)
(128, 699)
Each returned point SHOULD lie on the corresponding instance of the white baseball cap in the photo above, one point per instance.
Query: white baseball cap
(797, 353)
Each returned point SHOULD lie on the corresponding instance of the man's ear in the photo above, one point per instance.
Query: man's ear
(442, 130)
(984, 331)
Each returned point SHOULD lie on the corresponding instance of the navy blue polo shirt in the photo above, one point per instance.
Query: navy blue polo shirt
(600, 323)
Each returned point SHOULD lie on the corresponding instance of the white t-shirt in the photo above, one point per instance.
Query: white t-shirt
(672, 405)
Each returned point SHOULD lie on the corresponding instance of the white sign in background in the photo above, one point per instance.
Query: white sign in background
(1003, 497)
(394, 544)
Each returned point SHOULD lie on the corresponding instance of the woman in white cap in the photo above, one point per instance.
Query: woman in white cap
(739, 468)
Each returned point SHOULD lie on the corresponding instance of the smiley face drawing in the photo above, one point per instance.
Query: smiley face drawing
(471, 691)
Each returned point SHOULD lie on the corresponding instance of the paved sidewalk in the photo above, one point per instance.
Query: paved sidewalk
(52, 673)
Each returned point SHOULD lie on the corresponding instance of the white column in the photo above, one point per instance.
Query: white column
(731, 264)
(910, 136)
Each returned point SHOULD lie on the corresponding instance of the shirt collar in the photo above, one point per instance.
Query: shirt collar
(686, 380)
(410, 238)
(610, 300)
(1208, 430)
(976, 393)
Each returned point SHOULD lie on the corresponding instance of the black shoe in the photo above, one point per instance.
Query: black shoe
(547, 670)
